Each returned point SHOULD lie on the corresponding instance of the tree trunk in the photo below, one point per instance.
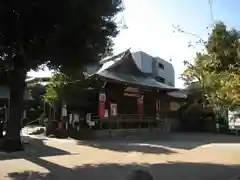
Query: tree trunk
(13, 125)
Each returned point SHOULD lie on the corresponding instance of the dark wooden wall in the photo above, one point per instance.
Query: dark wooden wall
(149, 103)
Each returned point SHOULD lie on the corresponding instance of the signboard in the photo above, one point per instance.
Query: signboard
(233, 120)
(131, 94)
(131, 90)
(76, 117)
(113, 108)
(64, 110)
(70, 118)
(102, 97)
(105, 113)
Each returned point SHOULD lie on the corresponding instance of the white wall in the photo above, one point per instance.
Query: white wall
(168, 72)
(145, 62)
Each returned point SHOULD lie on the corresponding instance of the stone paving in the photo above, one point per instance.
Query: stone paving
(182, 156)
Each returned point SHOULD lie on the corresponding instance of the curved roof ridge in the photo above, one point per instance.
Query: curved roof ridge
(113, 57)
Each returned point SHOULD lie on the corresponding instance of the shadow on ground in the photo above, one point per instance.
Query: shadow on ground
(161, 145)
(128, 146)
(189, 141)
(155, 143)
(169, 171)
(165, 171)
(34, 148)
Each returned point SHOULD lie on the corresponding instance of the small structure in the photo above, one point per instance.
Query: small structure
(39, 80)
(5, 101)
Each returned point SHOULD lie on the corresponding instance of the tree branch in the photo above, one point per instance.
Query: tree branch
(177, 28)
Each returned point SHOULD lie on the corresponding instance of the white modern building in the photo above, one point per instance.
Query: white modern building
(159, 68)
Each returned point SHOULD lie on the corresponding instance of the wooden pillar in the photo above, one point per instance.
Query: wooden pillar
(140, 105)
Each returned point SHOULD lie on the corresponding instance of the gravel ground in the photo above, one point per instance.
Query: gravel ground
(182, 156)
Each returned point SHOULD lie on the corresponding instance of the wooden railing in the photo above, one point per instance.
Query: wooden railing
(128, 121)
(122, 121)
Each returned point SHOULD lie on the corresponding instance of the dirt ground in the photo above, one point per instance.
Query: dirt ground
(178, 156)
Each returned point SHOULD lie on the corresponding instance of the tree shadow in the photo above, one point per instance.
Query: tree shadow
(128, 146)
(167, 171)
(189, 141)
(34, 148)
(161, 144)
(158, 143)
(183, 141)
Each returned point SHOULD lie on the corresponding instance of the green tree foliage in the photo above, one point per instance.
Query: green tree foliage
(69, 88)
(217, 70)
(55, 88)
(223, 45)
(63, 35)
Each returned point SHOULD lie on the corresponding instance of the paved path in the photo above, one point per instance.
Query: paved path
(190, 157)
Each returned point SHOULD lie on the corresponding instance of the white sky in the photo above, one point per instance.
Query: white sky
(150, 30)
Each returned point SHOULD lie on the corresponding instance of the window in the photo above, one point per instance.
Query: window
(160, 79)
(160, 65)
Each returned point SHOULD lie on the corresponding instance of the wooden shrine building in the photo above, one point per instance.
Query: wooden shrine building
(128, 98)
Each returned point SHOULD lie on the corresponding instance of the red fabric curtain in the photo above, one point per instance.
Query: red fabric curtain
(102, 99)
